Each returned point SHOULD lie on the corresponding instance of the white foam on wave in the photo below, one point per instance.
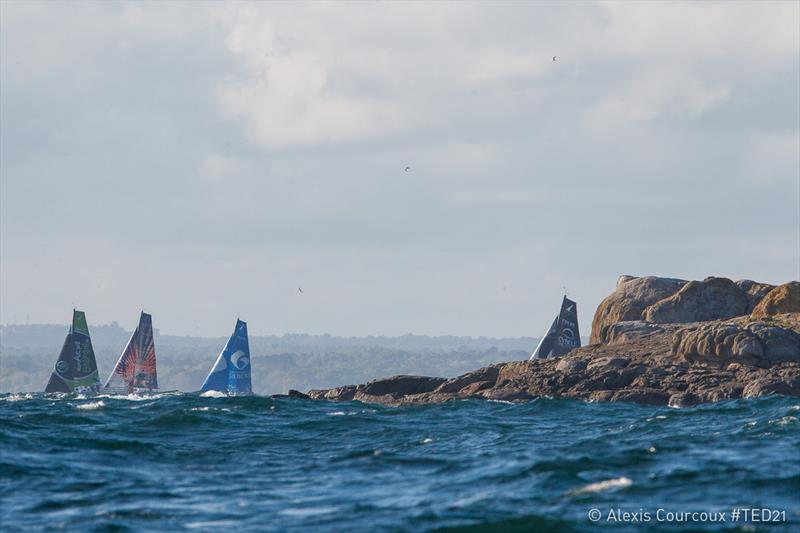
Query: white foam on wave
(784, 421)
(139, 397)
(608, 484)
(200, 408)
(91, 406)
(427, 440)
(213, 394)
(308, 511)
(337, 413)
(17, 397)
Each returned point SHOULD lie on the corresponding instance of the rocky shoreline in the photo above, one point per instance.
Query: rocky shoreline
(658, 341)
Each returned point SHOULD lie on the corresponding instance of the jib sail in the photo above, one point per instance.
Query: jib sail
(76, 367)
(135, 370)
(563, 335)
(231, 372)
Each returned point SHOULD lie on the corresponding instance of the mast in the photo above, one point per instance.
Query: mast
(76, 368)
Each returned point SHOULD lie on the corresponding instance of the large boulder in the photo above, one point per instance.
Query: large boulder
(700, 301)
(400, 385)
(754, 291)
(719, 344)
(782, 299)
(780, 344)
(338, 394)
(630, 330)
(631, 297)
(484, 376)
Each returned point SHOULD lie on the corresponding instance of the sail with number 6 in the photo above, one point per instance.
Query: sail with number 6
(76, 367)
(563, 335)
(135, 371)
(231, 371)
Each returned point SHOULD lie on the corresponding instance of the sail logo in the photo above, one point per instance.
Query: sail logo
(77, 356)
(239, 360)
(62, 367)
(567, 337)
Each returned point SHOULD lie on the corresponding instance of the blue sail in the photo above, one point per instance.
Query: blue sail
(231, 372)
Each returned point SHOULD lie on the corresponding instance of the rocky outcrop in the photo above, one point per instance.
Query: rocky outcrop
(670, 300)
(631, 297)
(662, 342)
(782, 299)
(385, 390)
(698, 301)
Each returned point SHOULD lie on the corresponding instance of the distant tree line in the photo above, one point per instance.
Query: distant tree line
(298, 361)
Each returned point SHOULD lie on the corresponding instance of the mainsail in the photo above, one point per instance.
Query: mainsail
(563, 335)
(135, 370)
(76, 367)
(231, 372)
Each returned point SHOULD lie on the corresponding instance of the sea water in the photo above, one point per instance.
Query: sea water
(185, 462)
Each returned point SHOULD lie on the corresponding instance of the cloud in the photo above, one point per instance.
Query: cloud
(655, 95)
(217, 153)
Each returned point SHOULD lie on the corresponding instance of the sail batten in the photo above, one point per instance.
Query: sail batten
(76, 368)
(135, 370)
(563, 335)
(231, 370)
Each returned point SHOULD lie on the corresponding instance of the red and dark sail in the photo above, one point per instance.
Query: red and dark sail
(135, 370)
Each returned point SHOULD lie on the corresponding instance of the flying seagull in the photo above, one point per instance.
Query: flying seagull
(300, 289)
(407, 169)
(554, 58)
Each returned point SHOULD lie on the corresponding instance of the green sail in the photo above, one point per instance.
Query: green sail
(76, 368)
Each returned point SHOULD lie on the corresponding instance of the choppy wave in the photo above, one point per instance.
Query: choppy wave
(184, 461)
(91, 406)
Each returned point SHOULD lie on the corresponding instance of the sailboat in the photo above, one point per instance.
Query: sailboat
(231, 371)
(563, 335)
(135, 371)
(76, 367)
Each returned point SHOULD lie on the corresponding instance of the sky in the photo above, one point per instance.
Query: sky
(204, 161)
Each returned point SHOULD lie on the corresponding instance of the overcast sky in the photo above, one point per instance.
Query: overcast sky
(205, 160)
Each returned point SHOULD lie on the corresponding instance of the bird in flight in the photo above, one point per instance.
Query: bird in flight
(300, 289)
(554, 58)
(407, 169)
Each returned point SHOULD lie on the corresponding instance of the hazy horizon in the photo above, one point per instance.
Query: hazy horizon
(209, 160)
(158, 332)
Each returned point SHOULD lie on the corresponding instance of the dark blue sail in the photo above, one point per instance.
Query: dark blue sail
(563, 335)
(545, 345)
(231, 372)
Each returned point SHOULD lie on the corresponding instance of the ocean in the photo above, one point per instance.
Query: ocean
(179, 461)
